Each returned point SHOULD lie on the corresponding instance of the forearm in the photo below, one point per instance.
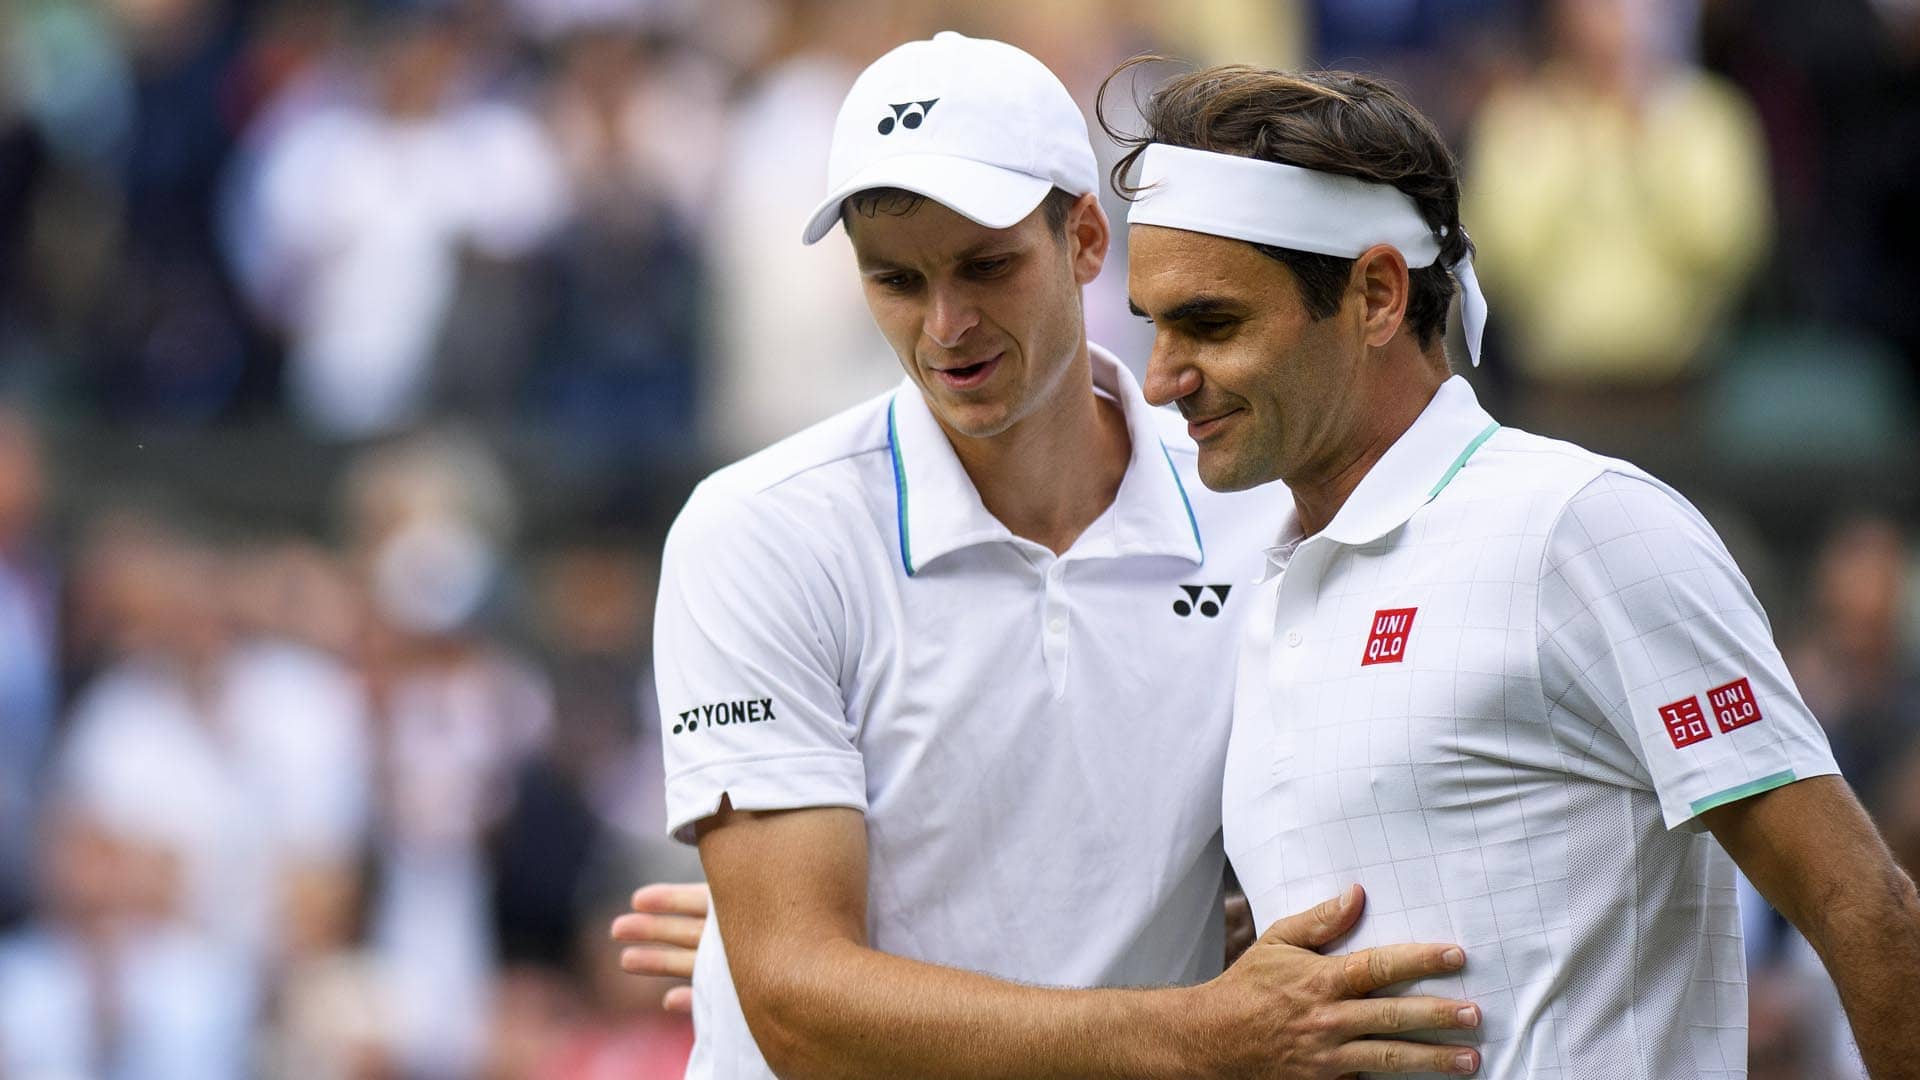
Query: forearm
(847, 1012)
(1868, 935)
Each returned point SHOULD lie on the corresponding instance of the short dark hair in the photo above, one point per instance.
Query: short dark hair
(1329, 121)
(899, 203)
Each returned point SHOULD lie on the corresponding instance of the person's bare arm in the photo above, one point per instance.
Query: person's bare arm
(1813, 853)
(789, 891)
(661, 936)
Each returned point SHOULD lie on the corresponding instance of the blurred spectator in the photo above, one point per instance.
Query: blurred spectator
(28, 638)
(108, 981)
(1838, 87)
(248, 754)
(792, 339)
(1618, 198)
(459, 714)
(1851, 657)
(366, 208)
(171, 337)
(637, 125)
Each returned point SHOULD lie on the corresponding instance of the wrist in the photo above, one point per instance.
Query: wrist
(1176, 1034)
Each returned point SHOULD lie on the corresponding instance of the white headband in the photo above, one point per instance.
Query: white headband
(1266, 202)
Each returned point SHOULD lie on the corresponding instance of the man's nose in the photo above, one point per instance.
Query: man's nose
(950, 314)
(1168, 377)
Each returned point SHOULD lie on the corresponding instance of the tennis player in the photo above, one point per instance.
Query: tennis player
(916, 668)
(1517, 690)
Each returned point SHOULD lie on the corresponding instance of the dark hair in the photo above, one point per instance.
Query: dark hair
(897, 202)
(1330, 121)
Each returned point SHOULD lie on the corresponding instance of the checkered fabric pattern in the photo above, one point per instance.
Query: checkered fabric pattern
(1506, 778)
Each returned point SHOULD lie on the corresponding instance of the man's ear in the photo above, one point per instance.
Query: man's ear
(1088, 236)
(1380, 277)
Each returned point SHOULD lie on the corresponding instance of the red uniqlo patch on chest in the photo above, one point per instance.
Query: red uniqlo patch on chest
(1734, 705)
(1387, 644)
(1686, 724)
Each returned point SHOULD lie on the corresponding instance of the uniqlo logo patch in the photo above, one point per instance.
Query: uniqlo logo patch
(1734, 705)
(1686, 724)
(1388, 642)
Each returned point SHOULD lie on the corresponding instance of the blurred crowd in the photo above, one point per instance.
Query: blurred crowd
(354, 352)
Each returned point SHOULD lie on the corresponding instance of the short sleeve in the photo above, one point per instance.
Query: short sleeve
(747, 662)
(1649, 630)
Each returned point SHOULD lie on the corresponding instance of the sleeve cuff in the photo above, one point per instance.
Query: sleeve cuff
(765, 782)
(1685, 813)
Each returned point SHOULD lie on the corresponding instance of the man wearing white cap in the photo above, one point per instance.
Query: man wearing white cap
(1508, 685)
(946, 678)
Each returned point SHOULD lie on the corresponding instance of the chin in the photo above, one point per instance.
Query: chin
(1222, 471)
(975, 420)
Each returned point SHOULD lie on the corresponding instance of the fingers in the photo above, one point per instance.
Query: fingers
(679, 931)
(1383, 1056)
(647, 960)
(1398, 1015)
(668, 898)
(1319, 924)
(1382, 966)
(678, 1000)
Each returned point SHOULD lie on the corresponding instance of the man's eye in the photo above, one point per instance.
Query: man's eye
(894, 282)
(988, 267)
(1213, 327)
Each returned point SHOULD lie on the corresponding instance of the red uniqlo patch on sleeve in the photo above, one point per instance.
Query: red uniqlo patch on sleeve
(1686, 724)
(1388, 642)
(1734, 705)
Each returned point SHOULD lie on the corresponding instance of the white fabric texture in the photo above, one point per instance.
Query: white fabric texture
(1502, 778)
(1041, 799)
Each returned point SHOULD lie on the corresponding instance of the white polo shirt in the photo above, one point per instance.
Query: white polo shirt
(1492, 690)
(1037, 741)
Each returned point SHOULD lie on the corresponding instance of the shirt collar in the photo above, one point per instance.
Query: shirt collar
(1415, 469)
(939, 511)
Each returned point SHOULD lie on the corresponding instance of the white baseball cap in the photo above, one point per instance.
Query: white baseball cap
(978, 126)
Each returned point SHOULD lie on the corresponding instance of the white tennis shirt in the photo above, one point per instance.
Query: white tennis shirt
(1037, 741)
(1492, 690)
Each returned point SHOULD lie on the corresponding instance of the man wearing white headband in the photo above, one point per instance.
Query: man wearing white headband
(946, 678)
(1519, 691)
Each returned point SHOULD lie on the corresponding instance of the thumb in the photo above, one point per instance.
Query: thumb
(1319, 924)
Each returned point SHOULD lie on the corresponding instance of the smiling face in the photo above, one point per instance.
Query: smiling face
(1268, 391)
(986, 321)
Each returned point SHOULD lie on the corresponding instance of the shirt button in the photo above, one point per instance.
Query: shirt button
(1057, 624)
(1294, 639)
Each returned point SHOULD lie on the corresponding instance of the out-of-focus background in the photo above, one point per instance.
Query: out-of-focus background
(354, 354)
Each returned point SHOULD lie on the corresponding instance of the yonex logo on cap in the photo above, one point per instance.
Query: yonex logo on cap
(909, 115)
(1208, 607)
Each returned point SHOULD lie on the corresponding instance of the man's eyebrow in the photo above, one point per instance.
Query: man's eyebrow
(1190, 308)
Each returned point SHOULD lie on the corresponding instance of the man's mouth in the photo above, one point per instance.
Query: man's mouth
(1199, 430)
(970, 375)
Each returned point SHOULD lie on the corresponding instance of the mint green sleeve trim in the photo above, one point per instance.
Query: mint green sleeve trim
(1746, 790)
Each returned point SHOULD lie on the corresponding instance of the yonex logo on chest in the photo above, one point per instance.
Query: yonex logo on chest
(1387, 643)
(1197, 600)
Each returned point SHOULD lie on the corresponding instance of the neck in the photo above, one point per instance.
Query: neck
(1387, 405)
(1050, 475)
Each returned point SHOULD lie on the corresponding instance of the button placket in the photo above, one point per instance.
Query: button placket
(1057, 626)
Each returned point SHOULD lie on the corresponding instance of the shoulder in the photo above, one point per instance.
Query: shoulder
(825, 458)
(811, 491)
